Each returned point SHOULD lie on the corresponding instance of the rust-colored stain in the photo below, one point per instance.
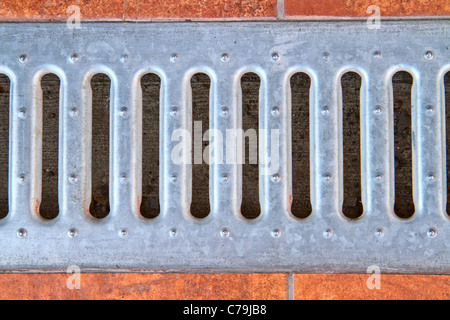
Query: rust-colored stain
(138, 205)
(137, 9)
(358, 8)
(145, 286)
(37, 206)
(354, 286)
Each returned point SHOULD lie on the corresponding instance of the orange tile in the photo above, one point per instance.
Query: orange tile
(201, 9)
(57, 9)
(354, 286)
(145, 286)
(137, 9)
(358, 8)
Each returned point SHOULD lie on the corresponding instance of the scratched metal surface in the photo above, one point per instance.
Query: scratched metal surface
(326, 241)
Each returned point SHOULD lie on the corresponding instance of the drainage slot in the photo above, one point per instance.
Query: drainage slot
(4, 143)
(151, 88)
(250, 206)
(352, 206)
(50, 85)
(447, 134)
(200, 85)
(404, 205)
(101, 88)
(300, 100)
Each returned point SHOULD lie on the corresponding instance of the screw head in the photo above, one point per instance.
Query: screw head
(173, 232)
(225, 232)
(174, 111)
(21, 178)
(430, 109)
(73, 112)
(123, 233)
(379, 232)
(326, 55)
(377, 110)
(23, 58)
(275, 111)
(73, 178)
(377, 54)
(173, 178)
(123, 58)
(174, 57)
(224, 178)
(22, 233)
(428, 55)
(275, 56)
(276, 233)
(124, 112)
(328, 233)
(325, 111)
(432, 233)
(74, 57)
(225, 112)
(225, 57)
(22, 113)
(72, 233)
(276, 178)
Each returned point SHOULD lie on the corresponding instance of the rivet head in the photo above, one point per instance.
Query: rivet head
(22, 233)
(22, 178)
(276, 233)
(432, 233)
(325, 111)
(379, 232)
(124, 112)
(379, 177)
(74, 57)
(72, 233)
(123, 58)
(123, 233)
(276, 178)
(73, 112)
(275, 56)
(377, 54)
(326, 55)
(428, 55)
(22, 113)
(23, 58)
(430, 109)
(275, 111)
(123, 178)
(173, 57)
(174, 111)
(225, 57)
(225, 232)
(328, 233)
(173, 178)
(73, 178)
(327, 177)
(224, 178)
(225, 112)
(377, 110)
(173, 232)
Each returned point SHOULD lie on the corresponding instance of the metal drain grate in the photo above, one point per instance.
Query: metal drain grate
(275, 241)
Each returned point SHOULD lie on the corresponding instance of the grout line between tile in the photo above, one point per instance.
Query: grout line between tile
(290, 286)
(280, 9)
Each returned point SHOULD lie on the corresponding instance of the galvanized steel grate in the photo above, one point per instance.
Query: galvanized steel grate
(276, 241)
